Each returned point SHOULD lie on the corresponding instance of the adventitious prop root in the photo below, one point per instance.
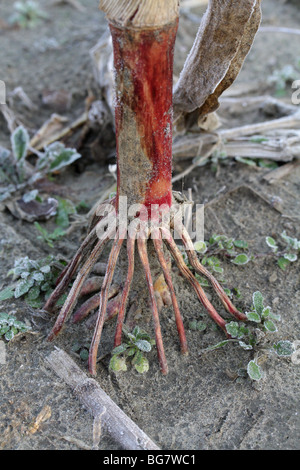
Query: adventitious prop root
(143, 37)
(138, 237)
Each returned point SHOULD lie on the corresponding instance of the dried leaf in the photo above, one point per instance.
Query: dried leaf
(43, 415)
(224, 38)
(32, 210)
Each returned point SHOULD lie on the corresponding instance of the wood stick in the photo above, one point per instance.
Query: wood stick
(261, 127)
(99, 404)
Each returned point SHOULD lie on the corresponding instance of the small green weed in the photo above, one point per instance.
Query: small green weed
(247, 336)
(47, 237)
(15, 171)
(36, 280)
(281, 78)
(288, 250)
(10, 326)
(137, 343)
(27, 14)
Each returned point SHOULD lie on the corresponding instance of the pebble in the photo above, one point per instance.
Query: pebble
(273, 277)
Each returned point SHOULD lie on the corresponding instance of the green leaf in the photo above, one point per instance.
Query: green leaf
(266, 312)
(228, 292)
(275, 316)
(232, 329)
(21, 326)
(33, 293)
(218, 269)
(270, 326)
(258, 302)
(45, 269)
(35, 303)
(117, 364)
(253, 316)
(20, 142)
(38, 276)
(271, 243)
(7, 293)
(241, 259)
(131, 351)
(200, 246)
(245, 346)
(3, 317)
(142, 365)
(9, 335)
(240, 244)
(258, 139)
(292, 242)
(84, 354)
(23, 287)
(4, 329)
(201, 326)
(136, 330)
(284, 348)
(193, 325)
(218, 345)
(66, 157)
(254, 371)
(197, 325)
(65, 208)
(283, 263)
(143, 345)
(119, 349)
(247, 161)
(290, 256)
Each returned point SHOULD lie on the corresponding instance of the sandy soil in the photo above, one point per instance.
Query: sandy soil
(199, 404)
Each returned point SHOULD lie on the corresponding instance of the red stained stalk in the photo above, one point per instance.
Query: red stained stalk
(143, 61)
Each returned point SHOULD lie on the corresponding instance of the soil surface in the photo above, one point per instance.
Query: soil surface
(202, 403)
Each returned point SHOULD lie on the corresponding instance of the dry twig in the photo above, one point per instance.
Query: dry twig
(99, 404)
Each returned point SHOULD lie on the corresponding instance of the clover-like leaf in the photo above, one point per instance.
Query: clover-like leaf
(218, 345)
(234, 329)
(117, 364)
(271, 243)
(200, 246)
(7, 293)
(283, 263)
(143, 345)
(240, 244)
(258, 302)
(245, 346)
(284, 348)
(254, 371)
(253, 316)
(23, 287)
(290, 257)
(241, 259)
(20, 142)
(120, 349)
(270, 326)
(142, 366)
